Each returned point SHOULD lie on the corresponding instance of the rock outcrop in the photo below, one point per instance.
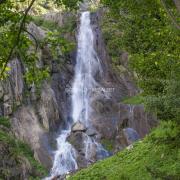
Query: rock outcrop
(78, 127)
(110, 116)
(36, 117)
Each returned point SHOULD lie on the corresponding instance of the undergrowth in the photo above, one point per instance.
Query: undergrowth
(17, 150)
(156, 157)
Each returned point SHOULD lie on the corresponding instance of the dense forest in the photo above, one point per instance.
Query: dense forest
(148, 31)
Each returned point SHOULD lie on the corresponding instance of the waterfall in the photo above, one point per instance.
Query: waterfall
(87, 66)
(65, 156)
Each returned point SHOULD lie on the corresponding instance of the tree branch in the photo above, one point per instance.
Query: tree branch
(18, 37)
(36, 42)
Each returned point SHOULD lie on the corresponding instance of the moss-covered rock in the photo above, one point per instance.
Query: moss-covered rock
(16, 158)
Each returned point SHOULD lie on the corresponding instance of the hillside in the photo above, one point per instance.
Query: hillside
(155, 157)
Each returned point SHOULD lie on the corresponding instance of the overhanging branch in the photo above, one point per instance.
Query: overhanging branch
(16, 42)
(36, 42)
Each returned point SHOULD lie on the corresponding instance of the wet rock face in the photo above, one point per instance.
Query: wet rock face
(11, 90)
(130, 135)
(111, 118)
(37, 32)
(81, 139)
(26, 126)
(28, 120)
(77, 139)
(48, 108)
(36, 116)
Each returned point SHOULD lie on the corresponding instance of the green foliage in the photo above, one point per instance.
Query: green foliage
(145, 31)
(15, 41)
(40, 6)
(94, 5)
(18, 149)
(5, 122)
(108, 144)
(156, 157)
(47, 24)
(8, 31)
(70, 4)
(36, 75)
(58, 44)
(134, 100)
(167, 132)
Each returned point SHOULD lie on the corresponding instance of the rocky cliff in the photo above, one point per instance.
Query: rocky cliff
(37, 116)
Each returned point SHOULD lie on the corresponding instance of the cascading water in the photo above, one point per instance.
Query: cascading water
(65, 156)
(87, 66)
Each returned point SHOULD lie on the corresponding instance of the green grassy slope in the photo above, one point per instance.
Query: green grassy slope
(156, 157)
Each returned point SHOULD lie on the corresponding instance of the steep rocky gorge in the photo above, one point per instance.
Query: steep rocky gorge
(38, 117)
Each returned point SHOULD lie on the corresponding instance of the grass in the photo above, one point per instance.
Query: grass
(156, 157)
(5, 122)
(134, 100)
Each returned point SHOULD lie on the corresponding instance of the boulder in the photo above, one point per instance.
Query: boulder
(77, 140)
(78, 127)
(7, 109)
(91, 132)
(130, 135)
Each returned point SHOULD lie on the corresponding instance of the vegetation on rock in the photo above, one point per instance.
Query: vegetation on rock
(149, 32)
(17, 161)
(144, 30)
(17, 41)
(156, 157)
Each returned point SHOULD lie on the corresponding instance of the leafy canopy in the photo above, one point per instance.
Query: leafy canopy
(145, 29)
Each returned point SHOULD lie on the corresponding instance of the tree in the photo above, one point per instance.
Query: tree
(150, 36)
(14, 40)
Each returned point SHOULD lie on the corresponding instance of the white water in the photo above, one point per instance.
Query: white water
(87, 65)
(65, 156)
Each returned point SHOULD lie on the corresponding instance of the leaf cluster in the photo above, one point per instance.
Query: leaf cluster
(144, 29)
